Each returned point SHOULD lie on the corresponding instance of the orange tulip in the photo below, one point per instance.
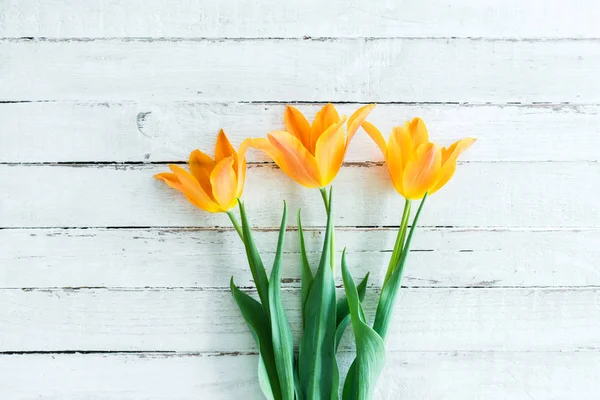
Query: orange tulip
(416, 165)
(312, 154)
(212, 185)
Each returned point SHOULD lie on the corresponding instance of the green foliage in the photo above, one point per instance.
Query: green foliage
(283, 345)
(370, 349)
(254, 315)
(316, 360)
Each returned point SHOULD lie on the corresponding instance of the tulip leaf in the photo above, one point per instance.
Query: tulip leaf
(370, 349)
(256, 320)
(283, 345)
(256, 265)
(343, 312)
(307, 276)
(317, 347)
(389, 291)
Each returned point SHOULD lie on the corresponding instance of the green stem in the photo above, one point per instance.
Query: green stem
(332, 245)
(325, 198)
(400, 238)
(236, 224)
(387, 298)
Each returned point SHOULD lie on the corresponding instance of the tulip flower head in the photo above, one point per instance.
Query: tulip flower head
(416, 165)
(312, 154)
(211, 184)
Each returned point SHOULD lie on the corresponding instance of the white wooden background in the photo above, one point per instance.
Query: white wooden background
(113, 287)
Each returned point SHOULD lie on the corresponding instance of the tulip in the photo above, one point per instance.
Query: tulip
(212, 185)
(312, 154)
(416, 165)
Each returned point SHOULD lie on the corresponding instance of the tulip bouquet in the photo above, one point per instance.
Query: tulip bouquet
(312, 154)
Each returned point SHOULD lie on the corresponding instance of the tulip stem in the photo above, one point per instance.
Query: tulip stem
(236, 224)
(325, 198)
(400, 239)
(332, 245)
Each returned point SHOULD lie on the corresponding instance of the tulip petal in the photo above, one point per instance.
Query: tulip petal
(170, 179)
(295, 160)
(329, 152)
(201, 165)
(224, 183)
(326, 117)
(193, 191)
(449, 158)
(418, 132)
(376, 135)
(394, 157)
(404, 142)
(356, 121)
(241, 170)
(421, 173)
(297, 125)
(224, 149)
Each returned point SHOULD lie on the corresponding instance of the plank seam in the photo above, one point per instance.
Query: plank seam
(252, 289)
(148, 39)
(432, 228)
(176, 353)
(308, 102)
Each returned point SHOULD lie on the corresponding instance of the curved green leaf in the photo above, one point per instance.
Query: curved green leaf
(283, 345)
(389, 291)
(343, 312)
(256, 265)
(370, 349)
(307, 276)
(254, 316)
(317, 346)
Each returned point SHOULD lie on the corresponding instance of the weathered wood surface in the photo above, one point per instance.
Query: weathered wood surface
(272, 18)
(503, 298)
(187, 258)
(480, 195)
(167, 131)
(413, 375)
(381, 70)
(203, 319)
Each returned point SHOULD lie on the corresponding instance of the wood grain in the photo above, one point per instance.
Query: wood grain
(48, 258)
(480, 195)
(439, 319)
(168, 131)
(272, 18)
(379, 70)
(414, 376)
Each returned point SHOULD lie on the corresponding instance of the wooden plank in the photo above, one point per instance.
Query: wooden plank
(413, 376)
(271, 18)
(559, 319)
(168, 131)
(38, 258)
(480, 195)
(381, 70)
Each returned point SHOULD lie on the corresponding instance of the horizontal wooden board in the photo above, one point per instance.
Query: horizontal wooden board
(272, 18)
(564, 319)
(37, 258)
(480, 195)
(413, 376)
(392, 70)
(168, 131)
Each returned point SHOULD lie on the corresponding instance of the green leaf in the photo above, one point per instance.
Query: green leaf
(389, 291)
(283, 345)
(370, 349)
(307, 276)
(263, 379)
(343, 312)
(254, 316)
(317, 346)
(256, 265)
